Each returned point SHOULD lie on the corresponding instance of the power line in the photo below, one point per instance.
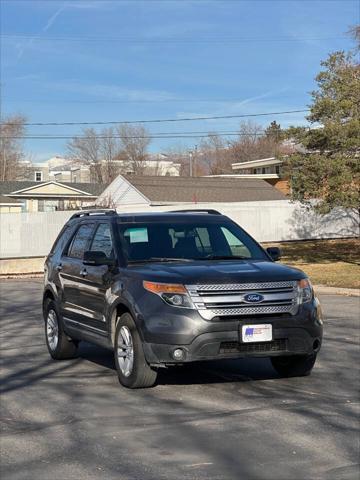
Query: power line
(166, 40)
(151, 136)
(162, 100)
(65, 137)
(166, 120)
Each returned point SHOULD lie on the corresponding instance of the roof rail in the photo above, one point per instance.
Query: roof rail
(199, 210)
(99, 211)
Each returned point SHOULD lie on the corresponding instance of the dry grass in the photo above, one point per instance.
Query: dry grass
(335, 263)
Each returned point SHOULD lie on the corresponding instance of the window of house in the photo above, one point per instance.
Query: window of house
(80, 241)
(277, 169)
(38, 176)
(102, 241)
(41, 205)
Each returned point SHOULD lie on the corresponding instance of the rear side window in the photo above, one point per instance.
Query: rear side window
(102, 241)
(80, 241)
(62, 240)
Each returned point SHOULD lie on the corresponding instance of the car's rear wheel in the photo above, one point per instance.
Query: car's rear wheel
(60, 346)
(132, 367)
(294, 365)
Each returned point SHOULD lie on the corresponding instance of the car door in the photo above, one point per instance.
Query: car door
(98, 278)
(71, 274)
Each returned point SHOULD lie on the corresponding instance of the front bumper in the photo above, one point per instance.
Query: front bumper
(299, 334)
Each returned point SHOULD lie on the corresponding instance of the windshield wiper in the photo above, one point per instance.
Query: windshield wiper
(161, 259)
(223, 257)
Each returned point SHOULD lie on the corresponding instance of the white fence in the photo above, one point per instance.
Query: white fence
(32, 234)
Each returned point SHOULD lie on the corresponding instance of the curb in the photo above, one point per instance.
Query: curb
(325, 290)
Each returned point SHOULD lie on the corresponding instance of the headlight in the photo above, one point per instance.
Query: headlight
(305, 289)
(173, 294)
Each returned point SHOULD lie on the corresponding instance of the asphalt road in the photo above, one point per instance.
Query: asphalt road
(226, 420)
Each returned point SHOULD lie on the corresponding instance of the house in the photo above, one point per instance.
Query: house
(10, 205)
(60, 169)
(57, 169)
(166, 190)
(268, 169)
(51, 196)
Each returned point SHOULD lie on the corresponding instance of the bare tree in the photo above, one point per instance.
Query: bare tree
(134, 142)
(97, 150)
(12, 165)
(110, 151)
(214, 154)
(254, 142)
(179, 153)
(86, 150)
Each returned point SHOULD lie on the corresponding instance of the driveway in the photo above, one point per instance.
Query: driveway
(226, 420)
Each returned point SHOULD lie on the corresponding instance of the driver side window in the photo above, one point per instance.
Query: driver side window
(235, 244)
(102, 241)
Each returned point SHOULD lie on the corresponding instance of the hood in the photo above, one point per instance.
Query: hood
(237, 271)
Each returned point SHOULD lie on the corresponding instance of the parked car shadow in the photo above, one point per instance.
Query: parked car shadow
(207, 372)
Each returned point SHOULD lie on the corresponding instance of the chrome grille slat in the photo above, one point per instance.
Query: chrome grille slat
(244, 286)
(252, 310)
(219, 300)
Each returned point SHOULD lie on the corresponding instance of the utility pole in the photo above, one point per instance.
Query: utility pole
(192, 159)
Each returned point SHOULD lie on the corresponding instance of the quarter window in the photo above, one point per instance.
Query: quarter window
(102, 241)
(80, 241)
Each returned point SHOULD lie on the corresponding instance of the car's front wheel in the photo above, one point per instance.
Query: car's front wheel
(59, 345)
(131, 365)
(294, 365)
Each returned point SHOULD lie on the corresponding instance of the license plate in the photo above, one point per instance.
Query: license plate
(257, 333)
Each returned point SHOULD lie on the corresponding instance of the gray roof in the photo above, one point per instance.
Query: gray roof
(95, 189)
(204, 189)
(4, 199)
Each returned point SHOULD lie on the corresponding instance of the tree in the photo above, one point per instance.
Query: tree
(215, 154)
(274, 132)
(12, 130)
(97, 150)
(134, 142)
(330, 169)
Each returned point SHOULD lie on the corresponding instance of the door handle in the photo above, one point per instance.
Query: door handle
(83, 272)
(59, 267)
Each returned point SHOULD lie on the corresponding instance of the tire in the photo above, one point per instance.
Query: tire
(60, 346)
(294, 366)
(131, 365)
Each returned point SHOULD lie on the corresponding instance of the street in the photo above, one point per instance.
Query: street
(226, 420)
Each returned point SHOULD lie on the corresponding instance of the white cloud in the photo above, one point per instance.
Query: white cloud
(48, 25)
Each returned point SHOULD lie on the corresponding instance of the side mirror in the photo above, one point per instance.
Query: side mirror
(97, 258)
(274, 252)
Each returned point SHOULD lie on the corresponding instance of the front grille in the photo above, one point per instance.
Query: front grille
(224, 300)
(278, 345)
(252, 310)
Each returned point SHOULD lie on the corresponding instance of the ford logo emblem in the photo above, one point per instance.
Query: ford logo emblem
(253, 298)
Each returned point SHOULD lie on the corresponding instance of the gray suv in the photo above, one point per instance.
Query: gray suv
(162, 289)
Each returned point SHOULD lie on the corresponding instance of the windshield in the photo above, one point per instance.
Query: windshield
(187, 241)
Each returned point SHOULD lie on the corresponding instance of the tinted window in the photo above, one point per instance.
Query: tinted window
(62, 240)
(102, 241)
(236, 245)
(80, 241)
(187, 240)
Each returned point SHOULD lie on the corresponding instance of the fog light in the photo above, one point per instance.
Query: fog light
(178, 354)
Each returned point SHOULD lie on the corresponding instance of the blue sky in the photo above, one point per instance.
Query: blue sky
(129, 60)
